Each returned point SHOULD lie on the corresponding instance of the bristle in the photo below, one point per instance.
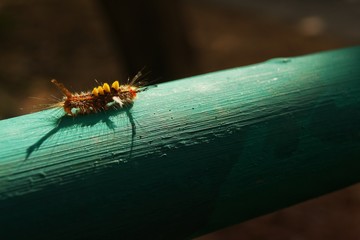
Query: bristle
(106, 87)
(100, 90)
(56, 105)
(118, 100)
(95, 92)
(115, 85)
(62, 88)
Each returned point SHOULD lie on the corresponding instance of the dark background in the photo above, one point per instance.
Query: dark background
(79, 41)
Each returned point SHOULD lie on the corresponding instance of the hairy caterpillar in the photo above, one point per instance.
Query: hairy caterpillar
(101, 98)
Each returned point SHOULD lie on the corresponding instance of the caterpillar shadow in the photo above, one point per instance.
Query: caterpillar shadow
(87, 121)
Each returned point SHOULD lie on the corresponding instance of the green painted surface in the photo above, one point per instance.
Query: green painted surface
(207, 152)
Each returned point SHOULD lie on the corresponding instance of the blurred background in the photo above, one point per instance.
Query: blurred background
(79, 41)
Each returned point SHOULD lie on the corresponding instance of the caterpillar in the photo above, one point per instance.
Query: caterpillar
(101, 98)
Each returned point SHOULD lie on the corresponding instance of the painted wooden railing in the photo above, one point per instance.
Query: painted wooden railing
(189, 157)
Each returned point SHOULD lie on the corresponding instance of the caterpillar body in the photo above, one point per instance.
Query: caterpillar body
(101, 98)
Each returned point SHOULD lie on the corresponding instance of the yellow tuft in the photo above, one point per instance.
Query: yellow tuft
(100, 90)
(115, 85)
(95, 92)
(106, 87)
